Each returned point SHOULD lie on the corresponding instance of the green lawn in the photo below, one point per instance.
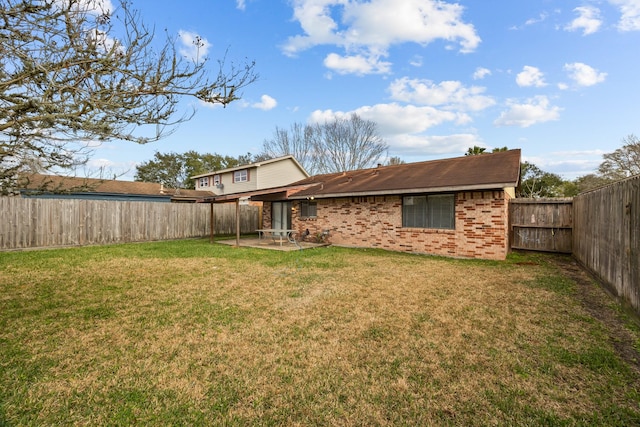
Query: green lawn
(190, 333)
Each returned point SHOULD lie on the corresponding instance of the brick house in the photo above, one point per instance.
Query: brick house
(454, 207)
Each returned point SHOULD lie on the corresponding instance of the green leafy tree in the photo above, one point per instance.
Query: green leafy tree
(245, 159)
(590, 181)
(175, 170)
(536, 183)
(623, 162)
(475, 150)
(167, 169)
(569, 188)
(620, 164)
(72, 73)
(499, 149)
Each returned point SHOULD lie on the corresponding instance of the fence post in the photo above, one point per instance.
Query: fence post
(238, 222)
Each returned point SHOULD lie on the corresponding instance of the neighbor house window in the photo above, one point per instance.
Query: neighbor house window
(429, 211)
(241, 175)
(216, 179)
(308, 209)
(204, 182)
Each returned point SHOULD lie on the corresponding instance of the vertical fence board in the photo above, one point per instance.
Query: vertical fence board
(541, 224)
(607, 236)
(32, 223)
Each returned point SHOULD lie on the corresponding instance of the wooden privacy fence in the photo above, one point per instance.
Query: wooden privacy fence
(607, 236)
(541, 224)
(32, 223)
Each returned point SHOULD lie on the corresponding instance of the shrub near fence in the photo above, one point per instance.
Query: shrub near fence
(606, 236)
(32, 223)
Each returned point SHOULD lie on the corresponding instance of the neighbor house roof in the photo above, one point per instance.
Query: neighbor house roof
(480, 172)
(54, 184)
(254, 165)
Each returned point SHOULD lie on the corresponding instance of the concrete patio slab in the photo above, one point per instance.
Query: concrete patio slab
(272, 245)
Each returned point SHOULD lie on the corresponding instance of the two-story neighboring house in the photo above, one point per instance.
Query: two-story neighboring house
(255, 176)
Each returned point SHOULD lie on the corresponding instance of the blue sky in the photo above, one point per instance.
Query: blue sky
(558, 79)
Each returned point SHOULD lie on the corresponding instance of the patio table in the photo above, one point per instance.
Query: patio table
(277, 234)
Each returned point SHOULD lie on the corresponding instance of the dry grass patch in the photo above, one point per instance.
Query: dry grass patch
(191, 333)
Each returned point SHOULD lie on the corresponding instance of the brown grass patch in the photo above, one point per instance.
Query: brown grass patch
(329, 337)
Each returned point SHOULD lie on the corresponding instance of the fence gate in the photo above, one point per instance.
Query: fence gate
(541, 224)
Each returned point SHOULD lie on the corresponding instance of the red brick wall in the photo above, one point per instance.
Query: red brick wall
(266, 215)
(481, 225)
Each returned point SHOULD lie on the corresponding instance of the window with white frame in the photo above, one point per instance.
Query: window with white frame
(204, 182)
(429, 211)
(241, 175)
(216, 179)
(308, 209)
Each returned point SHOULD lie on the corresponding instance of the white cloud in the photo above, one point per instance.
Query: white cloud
(92, 6)
(419, 145)
(266, 103)
(568, 164)
(630, 19)
(530, 76)
(95, 164)
(584, 75)
(240, 4)
(105, 168)
(104, 42)
(535, 110)
(356, 64)
(100, 6)
(193, 46)
(394, 119)
(416, 61)
(366, 29)
(481, 73)
(588, 20)
(404, 127)
(448, 94)
(532, 21)
(542, 17)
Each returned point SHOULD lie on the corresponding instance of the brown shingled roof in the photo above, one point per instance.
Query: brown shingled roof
(486, 171)
(67, 185)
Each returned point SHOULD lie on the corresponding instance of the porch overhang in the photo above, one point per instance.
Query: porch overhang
(265, 195)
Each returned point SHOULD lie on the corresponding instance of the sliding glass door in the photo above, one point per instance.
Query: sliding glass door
(281, 215)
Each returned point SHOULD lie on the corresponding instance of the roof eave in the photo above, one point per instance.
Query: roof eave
(247, 194)
(446, 189)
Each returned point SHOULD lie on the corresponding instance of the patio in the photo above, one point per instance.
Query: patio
(268, 243)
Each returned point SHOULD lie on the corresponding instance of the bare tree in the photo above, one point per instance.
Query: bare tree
(349, 144)
(297, 141)
(395, 160)
(334, 146)
(73, 74)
